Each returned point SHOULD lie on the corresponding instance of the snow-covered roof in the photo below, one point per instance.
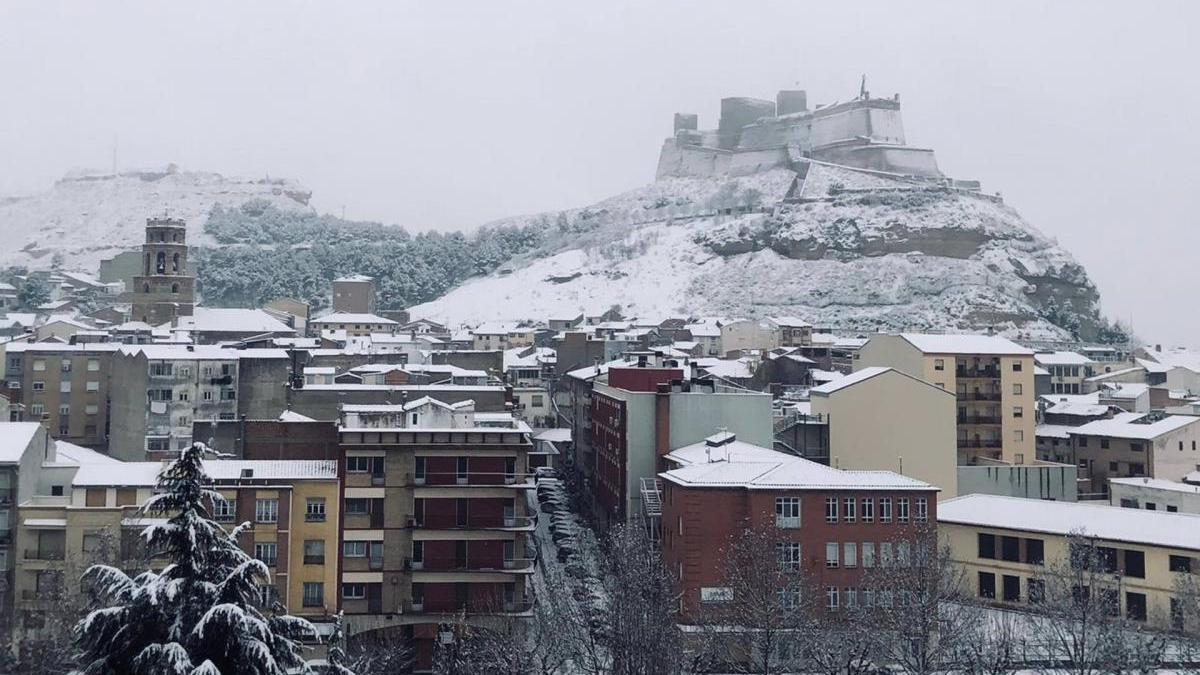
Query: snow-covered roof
(931, 343)
(355, 277)
(819, 375)
(742, 368)
(182, 352)
(1153, 366)
(1112, 523)
(1116, 373)
(497, 328)
(1125, 390)
(1061, 359)
(703, 330)
(1077, 408)
(729, 451)
(231, 320)
(1127, 425)
(77, 454)
(863, 375)
(783, 471)
(1179, 357)
(1156, 484)
(1061, 431)
(145, 474)
(347, 317)
(789, 322)
(17, 347)
(293, 416)
(560, 435)
(14, 438)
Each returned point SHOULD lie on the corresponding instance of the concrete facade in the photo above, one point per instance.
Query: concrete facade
(65, 387)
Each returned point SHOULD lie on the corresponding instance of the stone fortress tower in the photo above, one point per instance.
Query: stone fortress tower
(164, 290)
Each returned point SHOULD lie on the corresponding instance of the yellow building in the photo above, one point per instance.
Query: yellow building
(992, 378)
(1006, 545)
(86, 511)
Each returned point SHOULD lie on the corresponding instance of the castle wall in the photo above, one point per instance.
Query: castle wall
(677, 159)
(890, 158)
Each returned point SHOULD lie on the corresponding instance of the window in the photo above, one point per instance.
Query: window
(922, 510)
(868, 510)
(314, 510)
(39, 385)
(849, 554)
(37, 410)
(831, 597)
(939, 364)
(1035, 591)
(868, 554)
(831, 509)
(1135, 564)
(1019, 435)
(848, 505)
(39, 364)
(224, 510)
(1035, 552)
(228, 394)
(1135, 446)
(903, 554)
(885, 509)
(461, 470)
(987, 546)
(1083, 441)
(1016, 366)
(354, 591)
(358, 464)
(91, 409)
(268, 595)
(314, 552)
(1135, 606)
(266, 510)
(93, 365)
(160, 368)
(357, 507)
(902, 510)
(1017, 389)
(1011, 588)
(1018, 411)
(354, 549)
(93, 385)
(314, 594)
(1104, 443)
(787, 512)
(267, 553)
(158, 444)
(789, 598)
(987, 585)
(66, 366)
(64, 409)
(787, 554)
(1179, 563)
(1010, 549)
(831, 554)
(419, 470)
(206, 395)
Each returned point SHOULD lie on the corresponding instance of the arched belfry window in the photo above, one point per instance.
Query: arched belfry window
(161, 264)
(175, 263)
(145, 288)
(174, 288)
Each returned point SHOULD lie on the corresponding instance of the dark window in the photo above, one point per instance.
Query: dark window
(1172, 509)
(1137, 469)
(1012, 588)
(1036, 590)
(1108, 557)
(1113, 467)
(1138, 447)
(987, 585)
(1016, 366)
(1035, 553)
(1010, 549)
(1083, 441)
(1135, 564)
(1104, 443)
(1179, 563)
(987, 546)
(1110, 601)
(1135, 606)
(1151, 506)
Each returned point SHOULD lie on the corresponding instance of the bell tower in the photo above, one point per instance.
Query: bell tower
(164, 290)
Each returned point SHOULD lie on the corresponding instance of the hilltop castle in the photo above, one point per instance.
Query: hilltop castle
(756, 135)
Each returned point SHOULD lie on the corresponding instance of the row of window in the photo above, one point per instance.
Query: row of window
(206, 394)
(1035, 593)
(36, 410)
(849, 554)
(167, 368)
(850, 509)
(374, 466)
(39, 365)
(267, 510)
(64, 387)
(314, 552)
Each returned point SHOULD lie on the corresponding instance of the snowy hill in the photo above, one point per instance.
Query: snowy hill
(839, 247)
(87, 216)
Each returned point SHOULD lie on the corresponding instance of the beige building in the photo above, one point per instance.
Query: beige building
(1068, 370)
(353, 324)
(992, 378)
(883, 419)
(1006, 546)
(1131, 445)
(86, 511)
(744, 335)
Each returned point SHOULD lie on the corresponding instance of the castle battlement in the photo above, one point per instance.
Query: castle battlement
(755, 134)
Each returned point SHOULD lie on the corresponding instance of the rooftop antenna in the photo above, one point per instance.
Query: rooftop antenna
(862, 88)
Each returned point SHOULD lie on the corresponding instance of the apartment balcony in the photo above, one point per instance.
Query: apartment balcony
(979, 420)
(979, 396)
(978, 443)
(517, 481)
(506, 523)
(457, 565)
(37, 554)
(515, 607)
(984, 373)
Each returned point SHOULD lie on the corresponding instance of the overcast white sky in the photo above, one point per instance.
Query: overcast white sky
(450, 114)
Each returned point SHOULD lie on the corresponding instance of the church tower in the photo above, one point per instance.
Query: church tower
(163, 290)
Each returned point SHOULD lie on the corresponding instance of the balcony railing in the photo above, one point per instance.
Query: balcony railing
(787, 522)
(314, 560)
(989, 372)
(35, 554)
(375, 564)
(491, 523)
(979, 396)
(314, 517)
(453, 564)
(978, 419)
(978, 443)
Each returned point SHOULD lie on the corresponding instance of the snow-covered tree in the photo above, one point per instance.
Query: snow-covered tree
(201, 614)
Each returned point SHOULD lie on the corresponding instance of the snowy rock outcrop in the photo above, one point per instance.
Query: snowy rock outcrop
(88, 216)
(838, 247)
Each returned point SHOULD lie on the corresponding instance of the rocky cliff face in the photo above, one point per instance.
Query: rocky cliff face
(838, 247)
(88, 216)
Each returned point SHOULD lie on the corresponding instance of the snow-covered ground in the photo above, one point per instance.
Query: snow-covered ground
(90, 216)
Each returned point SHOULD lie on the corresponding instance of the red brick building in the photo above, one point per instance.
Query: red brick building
(831, 524)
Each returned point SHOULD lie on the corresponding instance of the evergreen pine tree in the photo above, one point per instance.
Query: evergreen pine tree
(201, 614)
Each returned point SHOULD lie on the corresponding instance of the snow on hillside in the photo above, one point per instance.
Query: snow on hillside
(87, 216)
(865, 261)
